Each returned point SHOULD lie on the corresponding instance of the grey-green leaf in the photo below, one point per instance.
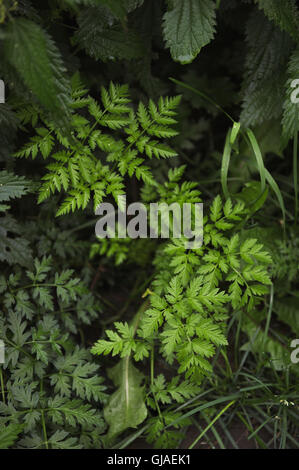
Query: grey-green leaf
(126, 407)
(31, 51)
(189, 26)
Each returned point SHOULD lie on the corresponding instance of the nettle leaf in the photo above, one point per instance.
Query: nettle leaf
(265, 65)
(188, 26)
(285, 14)
(126, 407)
(31, 51)
(290, 121)
(105, 41)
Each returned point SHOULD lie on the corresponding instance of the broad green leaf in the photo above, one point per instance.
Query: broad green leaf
(265, 70)
(31, 51)
(188, 26)
(285, 14)
(126, 407)
(290, 121)
(106, 42)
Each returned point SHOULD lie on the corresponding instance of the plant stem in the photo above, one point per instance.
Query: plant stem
(2, 385)
(43, 420)
(211, 424)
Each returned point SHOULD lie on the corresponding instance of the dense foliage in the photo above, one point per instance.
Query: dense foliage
(112, 340)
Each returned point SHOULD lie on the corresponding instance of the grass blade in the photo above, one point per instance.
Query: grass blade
(211, 424)
(225, 164)
(259, 158)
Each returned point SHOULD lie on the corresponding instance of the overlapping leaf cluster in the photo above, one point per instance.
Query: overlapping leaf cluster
(191, 297)
(93, 162)
(49, 385)
(90, 147)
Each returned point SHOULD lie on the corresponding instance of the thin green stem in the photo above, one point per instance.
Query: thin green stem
(2, 385)
(152, 381)
(43, 420)
(211, 424)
